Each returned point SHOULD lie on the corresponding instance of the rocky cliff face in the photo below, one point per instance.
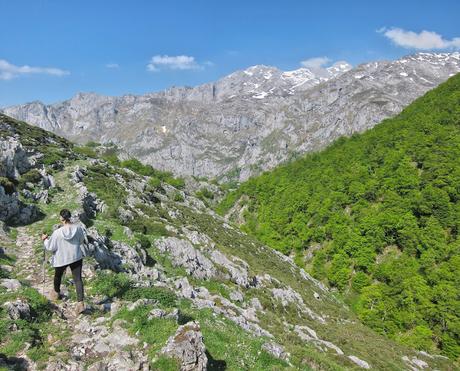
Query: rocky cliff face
(246, 122)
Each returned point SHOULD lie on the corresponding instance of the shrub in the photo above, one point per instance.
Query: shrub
(155, 183)
(176, 182)
(178, 197)
(100, 181)
(92, 144)
(205, 193)
(147, 226)
(111, 158)
(111, 284)
(164, 296)
(7, 185)
(86, 151)
(144, 242)
(138, 167)
(32, 176)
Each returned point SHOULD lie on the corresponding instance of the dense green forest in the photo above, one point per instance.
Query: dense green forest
(377, 216)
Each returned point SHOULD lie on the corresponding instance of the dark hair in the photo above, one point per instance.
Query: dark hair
(65, 214)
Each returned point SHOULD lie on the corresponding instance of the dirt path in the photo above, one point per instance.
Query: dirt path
(30, 265)
(91, 341)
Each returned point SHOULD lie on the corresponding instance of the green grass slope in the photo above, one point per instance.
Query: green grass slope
(377, 216)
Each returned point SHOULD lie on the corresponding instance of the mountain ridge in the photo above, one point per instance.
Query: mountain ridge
(242, 125)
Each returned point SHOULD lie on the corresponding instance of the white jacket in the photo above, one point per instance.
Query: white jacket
(65, 243)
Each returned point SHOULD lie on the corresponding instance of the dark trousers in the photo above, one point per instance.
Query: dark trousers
(76, 273)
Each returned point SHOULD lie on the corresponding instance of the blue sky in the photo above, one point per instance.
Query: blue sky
(52, 49)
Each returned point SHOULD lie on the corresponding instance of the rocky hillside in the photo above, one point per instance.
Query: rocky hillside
(246, 122)
(170, 285)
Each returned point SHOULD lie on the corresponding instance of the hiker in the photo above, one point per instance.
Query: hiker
(65, 244)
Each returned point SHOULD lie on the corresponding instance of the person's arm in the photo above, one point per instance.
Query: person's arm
(50, 242)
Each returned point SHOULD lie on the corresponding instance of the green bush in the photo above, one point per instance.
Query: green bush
(92, 144)
(138, 167)
(86, 151)
(155, 183)
(119, 285)
(100, 181)
(175, 182)
(7, 185)
(147, 226)
(157, 176)
(111, 284)
(32, 176)
(144, 242)
(204, 193)
(111, 158)
(164, 296)
(178, 197)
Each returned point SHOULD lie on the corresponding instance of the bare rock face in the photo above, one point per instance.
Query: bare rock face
(14, 161)
(238, 269)
(185, 255)
(187, 346)
(15, 211)
(249, 121)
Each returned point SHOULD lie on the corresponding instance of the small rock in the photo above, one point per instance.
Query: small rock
(276, 350)
(187, 346)
(160, 313)
(3, 229)
(128, 232)
(18, 310)
(6, 268)
(255, 303)
(236, 296)
(415, 363)
(10, 284)
(185, 287)
(156, 313)
(114, 308)
(141, 302)
(359, 362)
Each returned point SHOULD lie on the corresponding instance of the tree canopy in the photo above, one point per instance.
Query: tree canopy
(377, 215)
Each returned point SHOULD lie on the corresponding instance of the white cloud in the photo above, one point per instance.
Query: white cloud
(424, 40)
(323, 66)
(317, 62)
(112, 65)
(178, 62)
(9, 71)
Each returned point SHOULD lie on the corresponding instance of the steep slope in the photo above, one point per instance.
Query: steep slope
(376, 216)
(249, 121)
(166, 276)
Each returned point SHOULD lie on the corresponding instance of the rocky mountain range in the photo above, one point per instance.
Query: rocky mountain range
(246, 122)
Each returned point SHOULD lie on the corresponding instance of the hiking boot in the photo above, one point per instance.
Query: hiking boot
(79, 308)
(54, 296)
